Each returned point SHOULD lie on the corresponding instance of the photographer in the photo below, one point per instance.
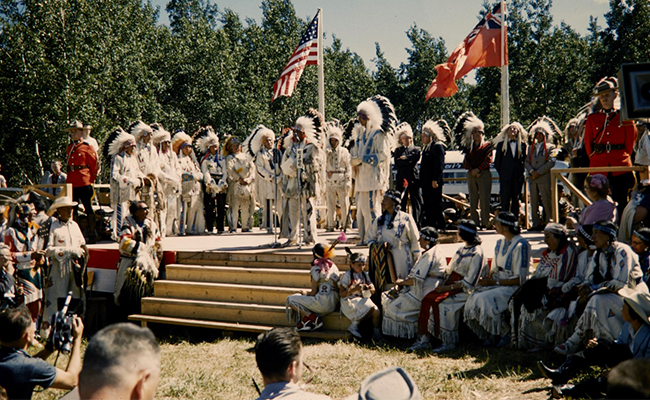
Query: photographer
(20, 373)
(67, 252)
(8, 290)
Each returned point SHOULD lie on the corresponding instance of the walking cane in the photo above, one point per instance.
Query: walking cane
(299, 159)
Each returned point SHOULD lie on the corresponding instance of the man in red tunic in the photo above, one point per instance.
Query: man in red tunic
(82, 171)
(609, 141)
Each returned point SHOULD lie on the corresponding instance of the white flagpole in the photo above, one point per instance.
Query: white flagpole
(321, 75)
(505, 90)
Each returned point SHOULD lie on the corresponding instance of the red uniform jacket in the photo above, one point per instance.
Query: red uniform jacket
(82, 164)
(606, 130)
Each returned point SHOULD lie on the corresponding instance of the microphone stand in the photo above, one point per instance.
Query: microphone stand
(273, 210)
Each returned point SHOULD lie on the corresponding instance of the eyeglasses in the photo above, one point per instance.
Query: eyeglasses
(143, 208)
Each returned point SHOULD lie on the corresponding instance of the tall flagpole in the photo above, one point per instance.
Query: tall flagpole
(321, 75)
(505, 89)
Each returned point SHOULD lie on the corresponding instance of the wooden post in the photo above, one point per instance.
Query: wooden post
(526, 203)
(555, 215)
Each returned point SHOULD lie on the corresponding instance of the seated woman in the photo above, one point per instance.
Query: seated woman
(323, 297)
(602, 207)
(613, 267)
(560, 322)
(401, 312)
(397, 230)
(486, 311)
(355, 289)
(543, 291)
(640, 241)
(465, 269)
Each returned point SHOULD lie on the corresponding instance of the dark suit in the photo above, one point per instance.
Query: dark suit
(406, 170)
(511, 170)
(432, 165)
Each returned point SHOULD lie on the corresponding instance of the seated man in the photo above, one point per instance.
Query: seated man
(633, 343)
(122, 361)
(278, 353)
(20, 372)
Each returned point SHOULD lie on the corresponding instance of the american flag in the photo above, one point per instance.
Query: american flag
(306, 53)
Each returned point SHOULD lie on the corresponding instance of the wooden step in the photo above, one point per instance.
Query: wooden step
(227, 292)
(272, 257)
(228, 326)
(257, 264)
(231, 312)
(241, 275)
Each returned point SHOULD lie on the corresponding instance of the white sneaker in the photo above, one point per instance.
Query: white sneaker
(444, 348)
(354, 330)
(420, 346)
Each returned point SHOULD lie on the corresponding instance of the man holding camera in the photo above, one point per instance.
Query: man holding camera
(20, 373)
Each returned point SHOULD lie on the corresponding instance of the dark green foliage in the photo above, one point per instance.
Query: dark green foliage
(108, 63)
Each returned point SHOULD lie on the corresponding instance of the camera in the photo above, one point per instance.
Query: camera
(61, 335)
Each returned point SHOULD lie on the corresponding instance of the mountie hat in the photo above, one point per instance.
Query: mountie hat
(605, 84)
(76, 124)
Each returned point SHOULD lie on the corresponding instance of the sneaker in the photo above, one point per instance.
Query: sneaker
(354, 330)
(318, 323)
(305, 326)
(444, 348)
(420, 346)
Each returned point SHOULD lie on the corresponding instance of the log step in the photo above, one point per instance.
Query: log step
(145, 319)
(256, 314)
(240, 275)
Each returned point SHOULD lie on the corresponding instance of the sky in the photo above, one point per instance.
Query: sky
(361, 23)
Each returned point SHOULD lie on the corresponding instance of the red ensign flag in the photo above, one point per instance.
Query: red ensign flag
(481, 48)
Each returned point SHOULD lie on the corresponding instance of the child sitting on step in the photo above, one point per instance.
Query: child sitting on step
(307, 308)
(356, 288)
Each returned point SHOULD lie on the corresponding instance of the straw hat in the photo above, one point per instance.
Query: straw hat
(639, 299)
(64, 201)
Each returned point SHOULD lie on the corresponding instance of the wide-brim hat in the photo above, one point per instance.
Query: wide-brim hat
(76, 124)
(639, 299)
(393, 383)
(64, 201)
(605, 84)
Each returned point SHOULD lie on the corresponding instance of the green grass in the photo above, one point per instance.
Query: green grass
(200, 364)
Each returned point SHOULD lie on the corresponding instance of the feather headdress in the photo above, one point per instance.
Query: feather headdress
(138, 129)
(284, 141)
(230, 139)
(522, 136)
(545, 125)
(179, 139)
(312, 124)
(204, 138)
(438, 130)
(403, 129)
(115, 143)
(465, 124)
(352, 131)
(333, 129)
(253, 142)
(380, 112)
(160, 134)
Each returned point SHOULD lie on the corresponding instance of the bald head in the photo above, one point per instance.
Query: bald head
(121, 361)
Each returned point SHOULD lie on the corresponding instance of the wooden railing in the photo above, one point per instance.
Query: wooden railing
(556, 174)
